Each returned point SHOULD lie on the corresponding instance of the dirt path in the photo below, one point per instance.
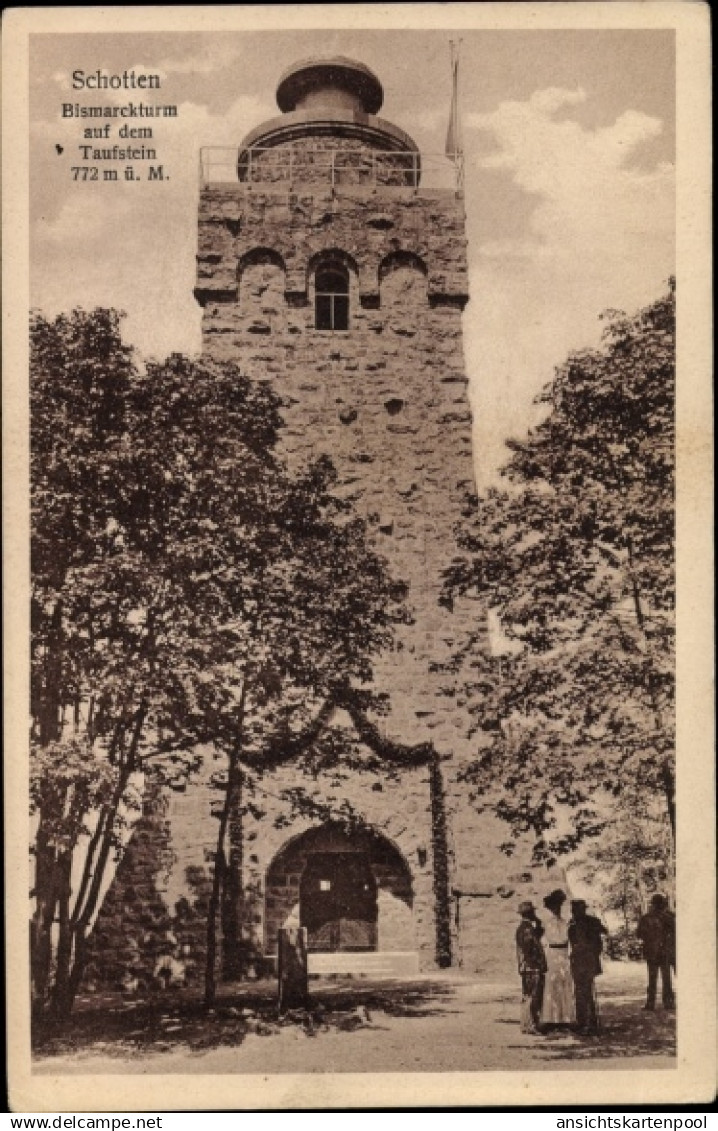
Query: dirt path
(434, 1024)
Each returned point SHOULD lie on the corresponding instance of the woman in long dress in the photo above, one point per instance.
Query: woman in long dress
(558, 997)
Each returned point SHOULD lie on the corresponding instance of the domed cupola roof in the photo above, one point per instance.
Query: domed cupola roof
(331, 97)
(336, 81)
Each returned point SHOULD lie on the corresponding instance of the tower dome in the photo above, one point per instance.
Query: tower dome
(335, 98)
(336, 82)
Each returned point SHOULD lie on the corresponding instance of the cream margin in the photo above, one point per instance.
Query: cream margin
(694, 1078)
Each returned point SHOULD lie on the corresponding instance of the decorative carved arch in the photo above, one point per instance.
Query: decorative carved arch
(403, 286)
(259, 256)
(397, 259)
(329, 255)
(261, 272)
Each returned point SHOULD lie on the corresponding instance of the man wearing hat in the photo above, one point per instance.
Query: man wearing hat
(657, 931)
(532, 967)
(585, 940)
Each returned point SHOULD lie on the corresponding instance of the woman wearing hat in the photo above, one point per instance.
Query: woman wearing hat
(558, 997)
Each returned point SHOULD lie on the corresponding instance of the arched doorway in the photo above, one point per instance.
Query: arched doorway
(352, 890)
(338, 902)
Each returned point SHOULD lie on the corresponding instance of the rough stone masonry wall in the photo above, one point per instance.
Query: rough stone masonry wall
(139, 923)
(386, 399)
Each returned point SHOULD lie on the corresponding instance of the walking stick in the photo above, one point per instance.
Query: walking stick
(595, 1007)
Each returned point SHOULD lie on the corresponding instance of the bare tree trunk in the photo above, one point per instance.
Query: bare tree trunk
(64, 944)
(232, 890)
(231, 798)
(210, 968)
(669, 790)
(78, 966)
(41, 922)
(223, 899)
(440, 853)
(84, 914)
(73, 955)
(626, 902)
(666, 770)
(46, 879)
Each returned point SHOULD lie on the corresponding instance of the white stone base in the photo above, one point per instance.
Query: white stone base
(372, 963)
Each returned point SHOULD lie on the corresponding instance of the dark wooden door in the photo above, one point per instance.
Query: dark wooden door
(338, 902)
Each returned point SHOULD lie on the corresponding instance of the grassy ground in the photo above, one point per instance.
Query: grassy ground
(441, 1022)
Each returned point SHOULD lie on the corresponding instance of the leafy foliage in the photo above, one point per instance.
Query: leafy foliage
(186, 590)
(632, 860)
(576, 558)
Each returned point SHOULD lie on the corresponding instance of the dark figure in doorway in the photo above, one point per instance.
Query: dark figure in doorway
(532, 967)
(657, 931)
(586, 942)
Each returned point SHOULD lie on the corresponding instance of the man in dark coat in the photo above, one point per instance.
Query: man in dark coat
(657, 931)
(532, 967)
(586, 942)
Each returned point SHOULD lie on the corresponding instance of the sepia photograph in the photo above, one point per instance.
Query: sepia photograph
(356, 473)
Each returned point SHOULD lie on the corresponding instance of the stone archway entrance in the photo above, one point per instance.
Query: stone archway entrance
(351, 890)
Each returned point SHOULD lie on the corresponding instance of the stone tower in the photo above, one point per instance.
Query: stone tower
(331, 265)
(332, 268)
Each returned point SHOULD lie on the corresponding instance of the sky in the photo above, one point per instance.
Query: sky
(569, 139)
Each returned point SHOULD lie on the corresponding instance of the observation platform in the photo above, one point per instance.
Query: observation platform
(290, 168)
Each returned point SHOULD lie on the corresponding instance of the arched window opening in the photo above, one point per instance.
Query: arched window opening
(401, 259)
(331, 297)
(262, 276)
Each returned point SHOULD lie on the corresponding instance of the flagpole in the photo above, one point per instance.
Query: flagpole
(454, 147)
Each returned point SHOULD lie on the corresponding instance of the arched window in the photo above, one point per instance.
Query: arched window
(403, 280)
(262, 280)
(331, 296)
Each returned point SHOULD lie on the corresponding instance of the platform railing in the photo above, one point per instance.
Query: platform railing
(336, 168)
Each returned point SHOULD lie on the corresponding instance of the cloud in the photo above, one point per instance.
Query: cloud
(429, 120)
(80, 219)
(599, 233)
(208, 60)
(131, 244)
(554, 98)
(545, 154)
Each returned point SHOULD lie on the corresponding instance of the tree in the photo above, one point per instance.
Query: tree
(80, 374)
(631, 861)
(576, 558)
(314, 611)
(180, 596)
